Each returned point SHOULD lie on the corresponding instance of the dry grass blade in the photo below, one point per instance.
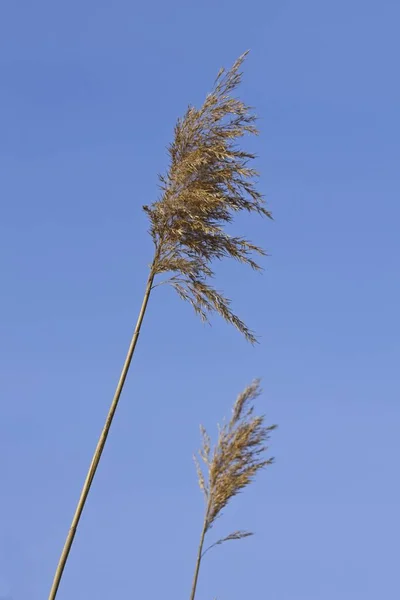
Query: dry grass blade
(231, 466)
(235, 535)
(208, 182)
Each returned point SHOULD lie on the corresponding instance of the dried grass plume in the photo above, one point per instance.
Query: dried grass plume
(208, 182)
(232, 465)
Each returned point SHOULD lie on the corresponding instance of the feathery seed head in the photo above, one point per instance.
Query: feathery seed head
(237, 457)
(209, 180)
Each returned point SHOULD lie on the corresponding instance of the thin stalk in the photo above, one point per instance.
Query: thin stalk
(199, 557)
(101, 443)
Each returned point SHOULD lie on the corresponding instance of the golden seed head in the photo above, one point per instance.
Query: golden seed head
(237, 457)
(209, 180)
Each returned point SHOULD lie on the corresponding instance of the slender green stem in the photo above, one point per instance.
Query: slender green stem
(101, 443)
(199, 557)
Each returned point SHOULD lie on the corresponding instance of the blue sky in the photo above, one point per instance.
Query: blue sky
(90, 92)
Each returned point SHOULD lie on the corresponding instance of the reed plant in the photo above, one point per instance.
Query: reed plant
(209, 181)
(238, 455)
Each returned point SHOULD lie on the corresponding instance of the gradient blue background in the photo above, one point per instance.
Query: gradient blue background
(90, 91)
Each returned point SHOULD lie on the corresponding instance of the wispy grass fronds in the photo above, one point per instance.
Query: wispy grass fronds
(233, 463)
(208, 182)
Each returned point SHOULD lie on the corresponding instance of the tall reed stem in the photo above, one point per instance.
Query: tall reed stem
(101, 443)
(199, 557)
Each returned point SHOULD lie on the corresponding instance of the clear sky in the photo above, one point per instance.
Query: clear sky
(90, 91)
